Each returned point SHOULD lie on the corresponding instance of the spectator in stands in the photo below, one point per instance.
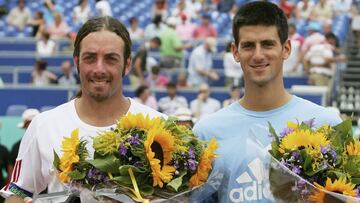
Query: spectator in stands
(136, 33)
(357, 130)
(291, 64)
(45, 46)
(304, 9)
(171, 50)
(322, 12)
(205, 29)
(155, 28)
(1, 83)
(59, 29)
(81, 12)
(50, 8)
(200, 67)
(38, 24)
(40, 76)
(204, 105)
(172, 102)
(185, 29)
(69, 77)
(156, 78)
(103, 8)
(143, 96)
(193, 8)
(287, 8)
(102, 55)
(27, 116)
(235, 93)
(232, 69)
(184, 117)
(160, 8)
(181, 80)
(142, 62)
(319, 63)
(355, 23)
(19, 16)
(341, 7)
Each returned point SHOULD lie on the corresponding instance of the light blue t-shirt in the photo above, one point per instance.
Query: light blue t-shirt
(238, 173)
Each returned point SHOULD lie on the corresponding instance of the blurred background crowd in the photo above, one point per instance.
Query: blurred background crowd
(182, 62)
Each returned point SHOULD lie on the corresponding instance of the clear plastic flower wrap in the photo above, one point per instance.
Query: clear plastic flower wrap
(292, 163)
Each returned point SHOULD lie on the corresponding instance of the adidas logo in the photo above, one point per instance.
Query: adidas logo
(254, 184)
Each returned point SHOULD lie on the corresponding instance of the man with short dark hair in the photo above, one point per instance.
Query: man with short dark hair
(169, 104)
(261, 45)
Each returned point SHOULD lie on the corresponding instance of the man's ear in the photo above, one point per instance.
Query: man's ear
(76, 63)
(286, 49)
(128, 66)
(235, 52)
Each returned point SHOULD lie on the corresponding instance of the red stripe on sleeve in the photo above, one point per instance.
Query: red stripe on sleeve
(14, 171)
(18, 171)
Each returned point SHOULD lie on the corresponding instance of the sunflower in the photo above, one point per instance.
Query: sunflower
(204, 166)
(139, 121)
(69, 157)
(338, 186)
(159, 146)
(353, 148)
(303, 138)
(106, 143)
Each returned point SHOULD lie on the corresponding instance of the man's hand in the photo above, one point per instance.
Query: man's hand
(17, 199)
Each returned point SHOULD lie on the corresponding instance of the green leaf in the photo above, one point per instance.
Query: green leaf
(177, 182)
(273, 133)
(275, 150)
(122, 180)
(352, 166)
(106, 164)
(342, 135)
(146, 189)
(124, 170)
(77, 175)
(337, 174)
(355, 181)
(56, 161)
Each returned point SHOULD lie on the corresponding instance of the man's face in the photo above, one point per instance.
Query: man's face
(261, 54)
(171, 91)
(101, 64)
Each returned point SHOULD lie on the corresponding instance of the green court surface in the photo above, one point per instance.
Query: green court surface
(9, 132)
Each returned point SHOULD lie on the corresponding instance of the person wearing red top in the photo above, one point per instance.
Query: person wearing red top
(286, 7)
(205, 29)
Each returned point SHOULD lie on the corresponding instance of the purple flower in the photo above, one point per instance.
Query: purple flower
(122, 149)
(192, 164)
(333, 155)
(325, 149)
(358, 191)
(310, 122)
(296, 155)
(134, 140)
(94, 176)
(191, 153)
(296, 170)
(285, 132)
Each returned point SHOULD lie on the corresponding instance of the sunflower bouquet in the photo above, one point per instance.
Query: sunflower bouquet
(315, 164)
(142, 158)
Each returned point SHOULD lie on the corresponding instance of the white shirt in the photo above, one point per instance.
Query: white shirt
(168, 106)
(200, 59)
(210, 106)
(45, 49)
(81, 15)
(103, 8)
(232, 69)
(33, 170)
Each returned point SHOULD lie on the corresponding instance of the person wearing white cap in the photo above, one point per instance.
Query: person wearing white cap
(200, 67)
(184, 117)
(27, 116)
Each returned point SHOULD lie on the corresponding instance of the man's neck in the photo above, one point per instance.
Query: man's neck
(264, 98)
(104, 113)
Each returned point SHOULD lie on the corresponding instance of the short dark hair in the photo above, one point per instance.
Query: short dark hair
(41, 64)
(141, 89)
(170, 85)
(157, 40)
(104, 23)
(261, 13)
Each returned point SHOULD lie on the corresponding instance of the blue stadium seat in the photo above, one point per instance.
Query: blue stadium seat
(15, 109)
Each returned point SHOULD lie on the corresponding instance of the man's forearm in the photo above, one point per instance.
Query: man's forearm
(14, 199)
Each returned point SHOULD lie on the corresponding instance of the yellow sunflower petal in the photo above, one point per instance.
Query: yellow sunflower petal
(353, 148)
